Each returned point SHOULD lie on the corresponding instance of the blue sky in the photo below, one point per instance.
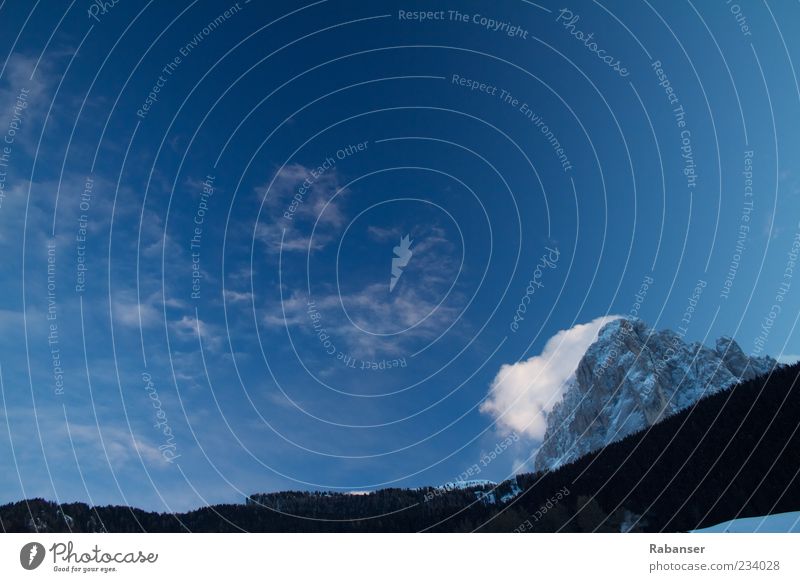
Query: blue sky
(234, 179)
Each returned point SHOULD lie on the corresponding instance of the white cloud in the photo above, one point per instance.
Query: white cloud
(237, 296)
(371, 308)
(127, 311)
(118, 444)
(522, 394)
(319, 202)
(384, 234)
(21, 77)
(415, 306)
(292, 312)
(132, 314)
(188, 327)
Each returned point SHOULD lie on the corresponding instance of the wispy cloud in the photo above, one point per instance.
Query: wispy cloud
(127, 311)
(300, 197)
(372, 309)
(121, 447)
(238, 296)
(187, 328)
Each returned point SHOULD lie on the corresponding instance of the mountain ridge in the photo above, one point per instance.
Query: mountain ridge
(730, 455)
(632, 377)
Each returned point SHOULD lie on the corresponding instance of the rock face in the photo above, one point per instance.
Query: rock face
(630, 378)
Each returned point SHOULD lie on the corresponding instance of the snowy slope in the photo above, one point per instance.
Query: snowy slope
(778, 523)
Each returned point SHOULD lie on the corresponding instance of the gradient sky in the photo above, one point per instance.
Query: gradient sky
(269, 345)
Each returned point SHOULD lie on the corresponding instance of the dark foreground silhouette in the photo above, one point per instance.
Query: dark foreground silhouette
(734, 454)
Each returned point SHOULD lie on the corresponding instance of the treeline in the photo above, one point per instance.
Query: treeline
(733, 454)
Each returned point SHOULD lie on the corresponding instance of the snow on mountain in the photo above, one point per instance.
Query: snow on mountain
(468, 484)
(630, 378)
(777, 523)
(515, 490)
(486, 491)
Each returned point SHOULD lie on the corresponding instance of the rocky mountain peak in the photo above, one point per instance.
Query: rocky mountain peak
(631, 377)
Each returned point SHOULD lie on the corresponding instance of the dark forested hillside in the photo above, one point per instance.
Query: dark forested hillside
(733, 454)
